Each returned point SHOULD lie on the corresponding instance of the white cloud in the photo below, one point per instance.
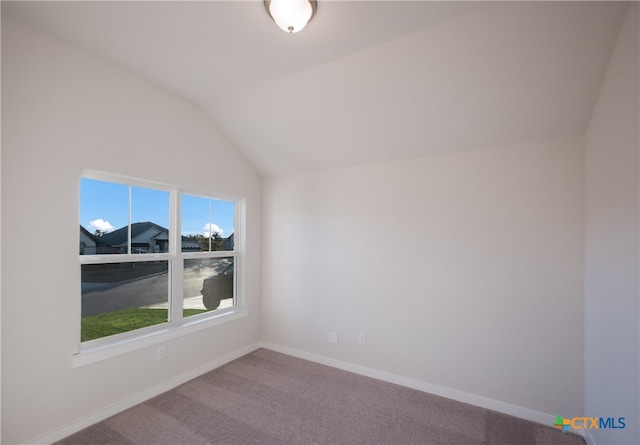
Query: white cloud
(101, 225)
(210, 229)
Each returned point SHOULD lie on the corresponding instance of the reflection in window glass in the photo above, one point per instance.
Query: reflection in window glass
(207, 224)
(208, 284)
(121, 297)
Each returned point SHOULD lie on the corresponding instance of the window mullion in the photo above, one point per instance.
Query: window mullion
(212, 254)
(129, 225)
(238, 246)
(123, 258)
(210, 218)
(177, 274)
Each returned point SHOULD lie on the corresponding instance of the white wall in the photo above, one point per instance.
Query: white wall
(464, 270)
(63, 110)
(612, 344)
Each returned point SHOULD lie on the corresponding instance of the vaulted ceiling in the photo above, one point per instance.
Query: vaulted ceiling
(365, 81)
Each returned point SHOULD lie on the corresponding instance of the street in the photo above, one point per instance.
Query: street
(100, 298)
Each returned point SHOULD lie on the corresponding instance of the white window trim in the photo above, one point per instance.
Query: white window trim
(148, 338)
(115, 345)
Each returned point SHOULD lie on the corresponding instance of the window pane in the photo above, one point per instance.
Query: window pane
(207, 224)
(208, 284)
(104, 211)
(121, 297)
(150, 220)
(222, 219)
(195, 216)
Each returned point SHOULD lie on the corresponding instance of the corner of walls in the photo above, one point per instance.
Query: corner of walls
(470, 252)
(612, 244)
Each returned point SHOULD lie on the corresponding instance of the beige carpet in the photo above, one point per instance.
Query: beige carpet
(271, 398)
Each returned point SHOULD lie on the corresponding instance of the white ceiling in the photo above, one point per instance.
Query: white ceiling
(366, 81)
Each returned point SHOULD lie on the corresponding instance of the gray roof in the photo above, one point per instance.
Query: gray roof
(120, 237)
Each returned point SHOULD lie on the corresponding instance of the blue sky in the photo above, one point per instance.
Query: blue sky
(105, 206)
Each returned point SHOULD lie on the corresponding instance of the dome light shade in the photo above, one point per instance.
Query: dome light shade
(291, 15)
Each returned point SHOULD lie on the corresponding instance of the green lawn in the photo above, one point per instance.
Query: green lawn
(103, 325)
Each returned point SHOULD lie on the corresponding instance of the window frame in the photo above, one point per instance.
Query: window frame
(176, 325)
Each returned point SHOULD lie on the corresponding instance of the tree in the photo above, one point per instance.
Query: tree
(217, 242)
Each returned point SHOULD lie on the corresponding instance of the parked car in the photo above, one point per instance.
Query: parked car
(217, 287)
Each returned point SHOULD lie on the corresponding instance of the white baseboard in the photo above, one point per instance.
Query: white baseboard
(483, 402)
(472, 399)
(588, 438)
(84, 422)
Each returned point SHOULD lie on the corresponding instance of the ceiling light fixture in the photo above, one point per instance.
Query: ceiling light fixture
(291, 15)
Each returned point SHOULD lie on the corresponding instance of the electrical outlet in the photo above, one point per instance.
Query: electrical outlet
(333, 338)
(160, 353)
(362, 338)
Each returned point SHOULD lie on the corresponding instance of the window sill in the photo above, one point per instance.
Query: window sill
(95, 353)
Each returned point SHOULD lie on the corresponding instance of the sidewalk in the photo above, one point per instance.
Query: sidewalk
(194, 303)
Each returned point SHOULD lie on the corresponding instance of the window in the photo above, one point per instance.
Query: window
(208, 269)
(153, 258)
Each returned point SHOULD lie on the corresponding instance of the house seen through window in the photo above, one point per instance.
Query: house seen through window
(144, 263)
